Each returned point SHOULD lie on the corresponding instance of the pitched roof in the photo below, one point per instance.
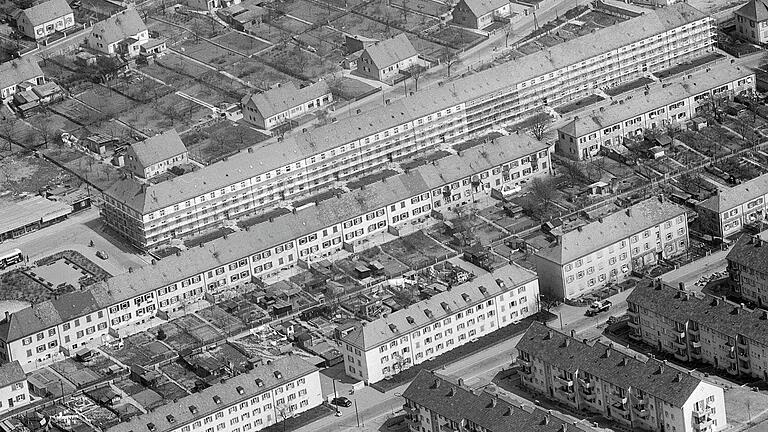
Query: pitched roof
(158, 148)
(651, 376)
(390, 51)
(17, 71)
(712, 312)
(482, 7)
(615, 227)
(726, 199)
(750, 253)
(122, 25)
(47, 11)
(11, 373)
(180, 411)
(403, 321)
(756, 10)
(285, 97)
(658, 95)
(28, 321)
(490, 412)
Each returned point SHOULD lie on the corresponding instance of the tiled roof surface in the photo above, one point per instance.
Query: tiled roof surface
(485, 410)
(158, 148)
(756, 10)
(652, 376)
(380, 331)
(482, 7)
(291, 368)
(285, 97)
(728, 198)
(390, 51)
(19, 70)
(615, 227)
(712, 312)
(122, 25)
(11, 373)
(749, 253)
(47, 11)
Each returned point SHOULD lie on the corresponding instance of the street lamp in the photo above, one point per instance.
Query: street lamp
(335, 396)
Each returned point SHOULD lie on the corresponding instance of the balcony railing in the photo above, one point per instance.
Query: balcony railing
(523, 363)
(585, 384)
(567, 382)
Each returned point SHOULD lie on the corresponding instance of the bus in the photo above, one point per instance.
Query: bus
(10, 258)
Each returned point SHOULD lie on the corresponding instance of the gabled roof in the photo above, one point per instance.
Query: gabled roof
(158, 148)
(756, 10)
(47, 11)
(490, 412)
(11, 373)
(715, 313)
(482, 7)
(17, 71)
(285, 97)
(750, 253)
(28, 321)
(122, 25)
(390, 51)
(613, 228)
(604, 362)
(726, 199)
(397, 324)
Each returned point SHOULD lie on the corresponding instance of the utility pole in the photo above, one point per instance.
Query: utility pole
(357, 415)
(335, 396)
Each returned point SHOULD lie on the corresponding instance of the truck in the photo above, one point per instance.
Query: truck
(598, 306)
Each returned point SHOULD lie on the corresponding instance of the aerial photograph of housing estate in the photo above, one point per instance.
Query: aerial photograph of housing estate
(383, 215)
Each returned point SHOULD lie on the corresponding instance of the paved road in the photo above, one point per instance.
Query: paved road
(477, 370)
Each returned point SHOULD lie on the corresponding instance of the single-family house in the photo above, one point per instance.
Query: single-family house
(384, 60)
(122, 33)
(279, 105)
(16, 72)
(752, 21)
(156, 155)
(45, 19)
(479, 14)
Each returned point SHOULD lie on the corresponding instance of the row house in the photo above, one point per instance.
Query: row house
(658, 107)
(432, 403)
(748, 268)
(14, 390)
(379, 349)
(609, 249)
(637, 394)
(307, 163)
(280, 105)
(700, 328)
(726, 213)
(268, 394)
(127, 303)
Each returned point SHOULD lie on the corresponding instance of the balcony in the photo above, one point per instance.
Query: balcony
(702, 414)
(567, 382)
(585, 384)
(696, 344)
(640, 410)
(619, 398)
(681, 355)
(447, 427)
(743, 354)
(742, 343)
(680, 343)
(523, 363)
(703, 426)
(635, 335)
(633, 325)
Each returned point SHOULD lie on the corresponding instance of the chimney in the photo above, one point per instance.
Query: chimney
(550, 334)
(508, 411)
(546, 419)
(608, 352)
(661, 368)
(250, 149)
(679, 377)
(715, 301)
(494, 401)
(437, 383)
(661, 198)
(564, 428)
(461, 382)
(573, 333)
(629, 212)
(7, 316)
(757, 240)
(178, 253)
(567, 342)
(130, 269)
(579, 228)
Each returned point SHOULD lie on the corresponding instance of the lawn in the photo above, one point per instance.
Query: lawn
(16, 285)
(76, 259)
(457, 37)
(351, 89)
(221, 320)
(417, 250)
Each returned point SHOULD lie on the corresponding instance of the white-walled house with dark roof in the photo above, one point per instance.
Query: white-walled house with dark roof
(14, 391)
(44, 19)
(122, 33)
(156, 155)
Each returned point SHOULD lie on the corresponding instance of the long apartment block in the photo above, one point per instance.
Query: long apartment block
(700, 328)
(50, 330)
(748, 268)
(433, 403)
(384, 347)
(661, 105)
(270, 393)
(727, 212)
(306, 163)
(607, 250)
(639, 394)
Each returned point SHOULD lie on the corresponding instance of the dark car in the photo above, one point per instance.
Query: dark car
(342, 401)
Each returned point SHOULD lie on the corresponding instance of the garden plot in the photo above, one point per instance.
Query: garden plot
(17, 285)
(171, 111)
(258, 74)
(178, 373)
(295, 60)
(359, 25)
(401, 15)
(175, 337)
(327, 42)
(195, 327)
(169, 390)
(240, 42)
(209, 53)
(181, 72)
(74, 112)
(77, 373)
(25, 173)
(223, 321)
(291, 25)
(140, 349)
(417, 250)
(109, 102)
(220, 139)
(512, 224)
(392, 266)
(53, 383)
(100, 175)
(309, 11)
(457, 37)
(710, 141)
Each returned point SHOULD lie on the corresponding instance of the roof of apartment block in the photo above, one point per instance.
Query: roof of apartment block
(158, 148)
(124, 24)
(387, 52)
(610, 229)
(178, 413)
(712, 312)
(19, 70)
(651, 376)
(748, 252)
(299, 146)
(728, 198)
(47, 11)
(756, 10)
(657, 96)
(482, 7)
(285, 97)
(490, 412)
(11, 373)
(263, 236)
(400, 323)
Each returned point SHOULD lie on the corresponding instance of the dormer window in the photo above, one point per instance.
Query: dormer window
(240, 390)
(216, 400)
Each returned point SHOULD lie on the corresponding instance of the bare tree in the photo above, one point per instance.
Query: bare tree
(8, 130)
(416, 71)
(543, 190)
(509, 31)
(539, 124)
(574, 172)
(46, 131)
(450, 58)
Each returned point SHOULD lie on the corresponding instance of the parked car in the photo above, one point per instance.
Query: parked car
(598, 306)
(341, 401)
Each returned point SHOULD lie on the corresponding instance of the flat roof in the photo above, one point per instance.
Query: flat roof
(16, 214)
